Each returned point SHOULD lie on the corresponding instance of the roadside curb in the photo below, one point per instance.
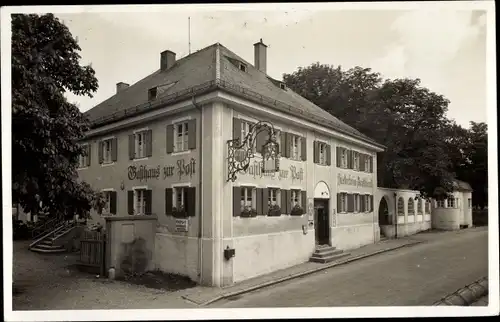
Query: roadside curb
(466, 295)
(301, 274)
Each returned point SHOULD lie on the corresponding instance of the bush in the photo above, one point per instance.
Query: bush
(248, 212)
(297, 211)
(21, 230)
(274, 211)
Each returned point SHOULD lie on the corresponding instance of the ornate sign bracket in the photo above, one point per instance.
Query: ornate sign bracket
(240, 152)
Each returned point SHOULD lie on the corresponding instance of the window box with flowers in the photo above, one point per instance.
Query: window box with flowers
(179, 212)
(248, 212)
(297, 210)
(274, 211)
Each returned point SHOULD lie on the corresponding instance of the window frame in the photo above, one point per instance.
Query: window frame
(140, 144)
(367, 164)
(138, 193)
(343, 158)
(181, 142)
(83, 158)
(367, 203)
(296, 197)
(357, 203)
(355, 160)
(107, 155)
(322, 153)
(295, 154)
(440, 203)
(175, 193)
(450, 203)
(244, 197)
(277, 196)
(343, 202)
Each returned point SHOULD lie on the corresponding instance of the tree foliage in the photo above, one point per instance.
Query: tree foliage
(45, 126)
(409, 119)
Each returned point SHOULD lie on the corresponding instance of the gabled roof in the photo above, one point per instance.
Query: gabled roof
(461, 185)
(214, 67)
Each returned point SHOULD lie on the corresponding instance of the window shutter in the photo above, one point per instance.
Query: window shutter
(371, 203)
(148, 195)
(169, 192)
(100, 152)
(131, 146)
(350, 203)
(114, 149)
(236, 129)
(371, 164)
(303, 197)
(288, 209)
(190, 203)
(285, 203)
(349, 159)
(236, 201)
(192, 134)
(112, 202)
(338, 203)
(258, 201)
(149, 143)
(130, 202)
(338, 156)
(362, 158)
(88, 154)
(316, 152)
(288, 138)
(283, 148)
(265, 201)
(303, 147)
(170, 138)
(260, 140)
(328, 155)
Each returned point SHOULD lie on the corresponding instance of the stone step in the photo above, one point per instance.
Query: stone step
(46, 242)
(45, 246)
(327, 253)
(324, 250)
(37, 249)
(328, 259)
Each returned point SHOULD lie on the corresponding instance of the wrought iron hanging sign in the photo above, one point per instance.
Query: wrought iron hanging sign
(241, 151)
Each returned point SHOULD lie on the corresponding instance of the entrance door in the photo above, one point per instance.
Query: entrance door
(321, 221)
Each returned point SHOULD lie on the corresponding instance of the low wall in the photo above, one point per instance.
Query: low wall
(176, 254)
(354, 236)
(130, 243)
(405, 229)
(260, 254)
(446, 218)
(480, 217)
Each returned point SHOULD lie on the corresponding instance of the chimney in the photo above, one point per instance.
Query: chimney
(167, 59)
(121, 86)
(260, 55)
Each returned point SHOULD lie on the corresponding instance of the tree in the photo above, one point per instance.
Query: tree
(400, 114)
(45, 126)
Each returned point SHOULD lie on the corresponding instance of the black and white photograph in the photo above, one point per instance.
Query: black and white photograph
(249, 161)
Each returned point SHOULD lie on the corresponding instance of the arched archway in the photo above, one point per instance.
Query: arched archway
(384, 217)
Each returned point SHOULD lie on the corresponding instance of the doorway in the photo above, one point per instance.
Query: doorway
(321, 221)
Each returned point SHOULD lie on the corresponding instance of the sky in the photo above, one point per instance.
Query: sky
(445, 48)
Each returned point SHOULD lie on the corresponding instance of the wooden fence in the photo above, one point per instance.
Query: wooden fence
(93, 252)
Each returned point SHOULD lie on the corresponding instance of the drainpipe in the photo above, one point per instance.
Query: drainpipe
(396, 216)
(200, 219)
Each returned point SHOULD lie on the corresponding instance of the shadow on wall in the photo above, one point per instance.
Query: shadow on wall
(480, 217)
(135, 257)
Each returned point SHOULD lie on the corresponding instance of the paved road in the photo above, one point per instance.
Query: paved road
(419, 275)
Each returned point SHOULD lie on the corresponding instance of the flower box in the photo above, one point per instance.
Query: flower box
(297, 211)
(179, 212)
(248, 212)
(274, 211)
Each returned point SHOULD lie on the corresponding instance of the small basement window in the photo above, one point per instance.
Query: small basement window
(243, 67)
(152, 93)
(283, 86)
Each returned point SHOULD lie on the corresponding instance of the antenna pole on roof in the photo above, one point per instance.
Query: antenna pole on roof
(189, 34)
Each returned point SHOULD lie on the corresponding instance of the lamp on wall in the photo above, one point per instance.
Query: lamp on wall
(122, 186)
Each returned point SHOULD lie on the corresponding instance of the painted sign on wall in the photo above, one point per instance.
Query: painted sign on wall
(356, 181)
(293, 172)
(181, 225)
(182, 168)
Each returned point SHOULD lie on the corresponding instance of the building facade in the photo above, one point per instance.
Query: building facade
(455, 212)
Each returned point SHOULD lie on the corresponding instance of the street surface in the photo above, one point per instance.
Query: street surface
(417, 275)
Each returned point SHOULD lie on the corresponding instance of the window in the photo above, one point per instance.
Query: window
(367, 164)
(140, 145)
(411, 207)
(181, 137)
(179, 197)
(107, 147)
(322, 153)
(355, 160)
(84, 158)
(427, 207)
(367, 203)
(343, 158)
(140, 201)
(245, 129)
(107, 199)
(440, 203)
(296, 147)
(451, 203)
(296, 200)
(243, 67)
(343, 202)
(274, 197)
(152, 92)
(469, 203)
(419, 206)
(248, 197)
(357, 203)
(401, 206)
(283, 86)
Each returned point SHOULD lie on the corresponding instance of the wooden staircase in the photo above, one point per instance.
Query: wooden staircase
(326, 254)
(47, 242)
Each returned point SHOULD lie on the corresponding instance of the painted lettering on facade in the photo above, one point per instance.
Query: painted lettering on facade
(349, 180)
(143, 173)
(294, 173)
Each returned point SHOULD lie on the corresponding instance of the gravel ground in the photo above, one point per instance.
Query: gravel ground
(52, 282)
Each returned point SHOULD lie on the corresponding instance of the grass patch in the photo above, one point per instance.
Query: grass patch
(160, 281)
